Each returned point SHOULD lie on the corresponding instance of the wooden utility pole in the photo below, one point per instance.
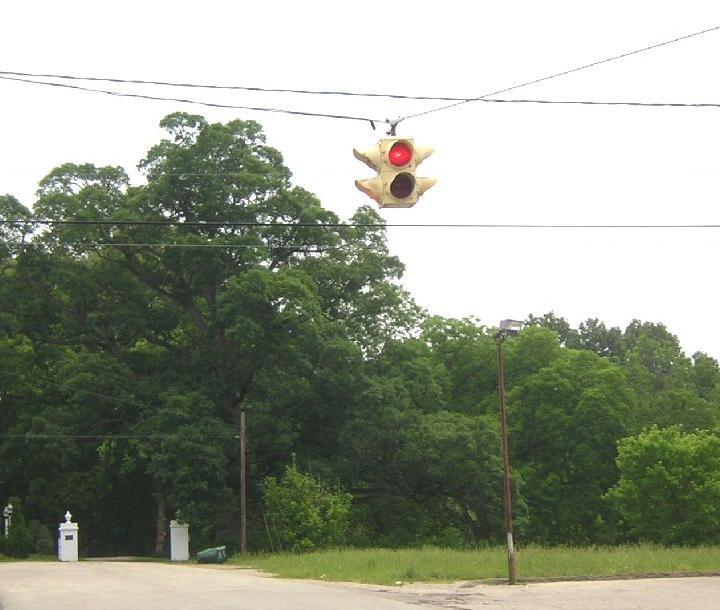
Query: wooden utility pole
(243, 484)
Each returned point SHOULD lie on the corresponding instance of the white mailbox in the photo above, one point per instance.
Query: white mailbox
(179, 541)
(68, 540)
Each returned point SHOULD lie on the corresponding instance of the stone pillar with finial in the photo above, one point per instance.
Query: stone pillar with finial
(68, 539)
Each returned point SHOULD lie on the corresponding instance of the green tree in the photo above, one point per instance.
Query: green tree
(468, 356)
(706, 377)
(595, 336)
(305, 513)
(454, 461)
(669, 487)
(19, 541)
(654, 359)
(188, 461)
(566, 334)
(670, 388)
(565, 421)
(532, 350)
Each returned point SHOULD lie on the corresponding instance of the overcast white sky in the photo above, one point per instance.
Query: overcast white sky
(495, 163)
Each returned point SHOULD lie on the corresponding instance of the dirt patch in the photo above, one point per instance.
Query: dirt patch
(633, 576)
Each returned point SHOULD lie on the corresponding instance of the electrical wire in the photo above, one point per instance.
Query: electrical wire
(16, 76)
(30, 436)
(88, 392)
(186, 85)
(335, 225)
(95, 244)
(320, 92)
(189, 223)
(225, 87)
(558, 74)
(210, 104)
(460, 100)
(597, 103)
(92, 436)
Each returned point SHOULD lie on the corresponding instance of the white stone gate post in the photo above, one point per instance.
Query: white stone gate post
(68, 539)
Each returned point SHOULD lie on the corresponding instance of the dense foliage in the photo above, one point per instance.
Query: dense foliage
(128, 350)
(669, 487)
(303, 514)
(19, 541)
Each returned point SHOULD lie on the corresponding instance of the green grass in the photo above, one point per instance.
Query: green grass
(31, 558)
(385, 566)
(5, 558)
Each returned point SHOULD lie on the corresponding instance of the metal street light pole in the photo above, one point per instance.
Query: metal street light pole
(507, 327)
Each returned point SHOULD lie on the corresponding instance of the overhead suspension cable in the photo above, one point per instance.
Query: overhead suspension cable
(563, 73)
(599, 103)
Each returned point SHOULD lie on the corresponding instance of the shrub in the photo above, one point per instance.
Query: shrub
(43, 543)
(669, 487)
(305, 513)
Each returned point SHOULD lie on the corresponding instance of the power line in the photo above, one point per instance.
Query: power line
(189, 223)
(133, 403)
(336, 225)
(598, 103)
(186, 101)
(15, 76)
(342, 93)
(88, 393)
(558, 74)
(225, 87)
(30, 436)
(459, 100)
(95, 244)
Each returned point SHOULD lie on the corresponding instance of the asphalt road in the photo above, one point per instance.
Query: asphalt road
(152, 586)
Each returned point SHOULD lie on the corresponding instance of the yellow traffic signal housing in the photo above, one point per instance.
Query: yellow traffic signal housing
(395, 161)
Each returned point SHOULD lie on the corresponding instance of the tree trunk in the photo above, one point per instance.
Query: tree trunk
(160, 531)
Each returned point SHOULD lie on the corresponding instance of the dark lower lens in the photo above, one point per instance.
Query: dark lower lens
(402, 186)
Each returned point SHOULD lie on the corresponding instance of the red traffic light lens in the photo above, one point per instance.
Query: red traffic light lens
(402, 185)
(400, 154)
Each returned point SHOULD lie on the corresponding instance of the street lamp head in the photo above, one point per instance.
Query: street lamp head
(511, 327)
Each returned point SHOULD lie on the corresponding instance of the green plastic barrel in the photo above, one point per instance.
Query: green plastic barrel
(213, 555)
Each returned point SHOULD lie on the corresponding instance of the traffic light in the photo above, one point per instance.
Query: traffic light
(395, 161)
